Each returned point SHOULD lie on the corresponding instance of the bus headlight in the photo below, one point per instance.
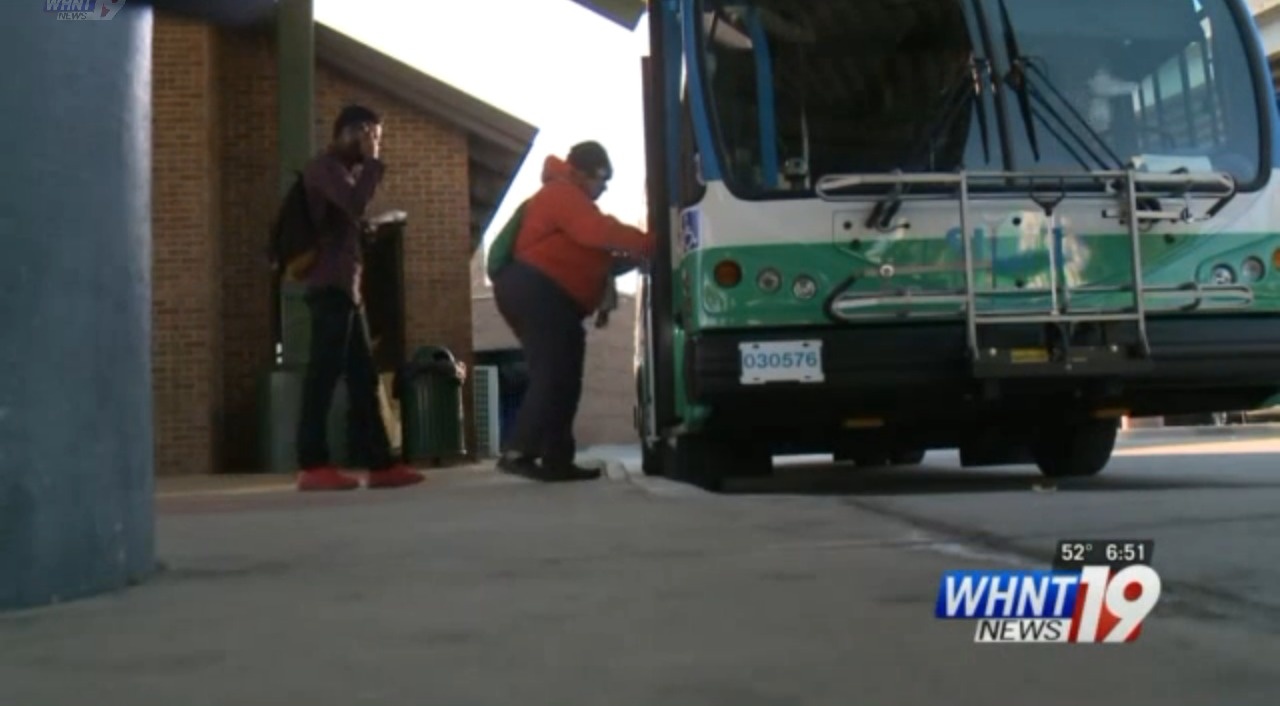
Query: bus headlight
(1252, 269)
(1222, 274)
(769, 280)
(804, 287)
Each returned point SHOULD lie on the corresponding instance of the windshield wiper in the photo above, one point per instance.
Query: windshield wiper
(1044, 78)
(980, 69)
(1019, 78)
(966, 87)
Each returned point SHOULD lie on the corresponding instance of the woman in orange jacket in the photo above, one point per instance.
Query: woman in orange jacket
(562, 260)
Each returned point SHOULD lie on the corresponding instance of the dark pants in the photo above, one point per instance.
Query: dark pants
(549, 325)
(340, 348)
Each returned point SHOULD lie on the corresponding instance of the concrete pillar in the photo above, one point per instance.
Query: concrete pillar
(76, 511)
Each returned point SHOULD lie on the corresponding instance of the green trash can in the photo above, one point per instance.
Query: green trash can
(431, 411)
(295, 325)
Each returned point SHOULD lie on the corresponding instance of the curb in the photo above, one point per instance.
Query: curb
(616, 470)
(1230, 431)
(223, 492)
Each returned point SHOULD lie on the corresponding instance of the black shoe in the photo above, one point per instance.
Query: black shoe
(518, 465)
(562, 473)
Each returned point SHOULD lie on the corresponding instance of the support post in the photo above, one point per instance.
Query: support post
(659, 148)
(295, 139)
(295, 57)
(76, 452)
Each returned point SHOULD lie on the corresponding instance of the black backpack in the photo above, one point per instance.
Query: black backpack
(294, 238)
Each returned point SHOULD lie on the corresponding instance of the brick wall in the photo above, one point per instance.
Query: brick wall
(605, 415)
(250, 195)
(216, 191)
(1258, 6)
(186, 337)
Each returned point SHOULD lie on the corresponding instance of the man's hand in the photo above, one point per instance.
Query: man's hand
(623, 264)
(370, 141)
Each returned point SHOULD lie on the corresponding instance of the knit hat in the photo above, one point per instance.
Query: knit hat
(591, 159)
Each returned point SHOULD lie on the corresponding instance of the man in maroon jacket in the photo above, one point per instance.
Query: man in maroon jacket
(340, 182)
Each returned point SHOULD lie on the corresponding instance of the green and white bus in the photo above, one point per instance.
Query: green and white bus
(997, 226)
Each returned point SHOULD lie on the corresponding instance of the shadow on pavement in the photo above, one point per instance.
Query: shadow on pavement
(1144, 473)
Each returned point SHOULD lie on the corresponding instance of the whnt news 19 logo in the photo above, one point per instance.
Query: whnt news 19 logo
(83, 9)
(1098, 591)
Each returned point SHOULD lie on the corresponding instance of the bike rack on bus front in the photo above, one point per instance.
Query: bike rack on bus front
(843, 306)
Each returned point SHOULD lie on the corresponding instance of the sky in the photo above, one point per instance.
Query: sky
(552, 63)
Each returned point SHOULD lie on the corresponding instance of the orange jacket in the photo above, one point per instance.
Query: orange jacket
(567, 238)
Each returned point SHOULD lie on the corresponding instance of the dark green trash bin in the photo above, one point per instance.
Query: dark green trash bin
(431, 412)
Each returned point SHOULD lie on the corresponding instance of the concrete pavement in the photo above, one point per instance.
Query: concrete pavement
(816, 587)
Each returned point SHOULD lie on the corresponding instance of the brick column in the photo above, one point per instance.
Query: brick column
(186, 258)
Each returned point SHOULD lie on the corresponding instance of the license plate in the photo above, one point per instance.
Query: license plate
(781, 361)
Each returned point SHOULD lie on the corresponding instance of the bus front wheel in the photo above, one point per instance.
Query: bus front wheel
(651, 460)
(1076, 449)
(707, 462)
(908, 457)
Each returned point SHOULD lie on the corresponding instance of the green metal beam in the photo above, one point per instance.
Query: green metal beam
(295, 57)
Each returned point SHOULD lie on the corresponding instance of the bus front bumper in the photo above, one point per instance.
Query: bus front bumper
(922, 371)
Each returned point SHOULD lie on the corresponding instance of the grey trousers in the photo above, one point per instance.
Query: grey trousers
(550, 327)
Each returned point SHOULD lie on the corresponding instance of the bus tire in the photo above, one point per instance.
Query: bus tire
(871, 459)
(707, 462)
(651, 460)
(908, 457)
(864, 459)
(1075, 450)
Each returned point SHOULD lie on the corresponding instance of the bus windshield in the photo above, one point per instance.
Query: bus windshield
(799, 89)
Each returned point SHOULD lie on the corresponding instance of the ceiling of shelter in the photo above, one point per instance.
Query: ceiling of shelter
(624, 12)
(223, 12)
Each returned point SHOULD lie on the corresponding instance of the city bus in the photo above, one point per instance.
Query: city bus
(993, 226)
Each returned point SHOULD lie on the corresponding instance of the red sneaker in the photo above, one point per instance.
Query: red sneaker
(327, 478)
(397, 476)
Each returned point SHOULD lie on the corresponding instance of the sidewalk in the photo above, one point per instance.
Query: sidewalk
(479, 588)
(175, 487)
(171, 487)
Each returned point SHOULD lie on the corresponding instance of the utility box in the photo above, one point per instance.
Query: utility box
(279, 412)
